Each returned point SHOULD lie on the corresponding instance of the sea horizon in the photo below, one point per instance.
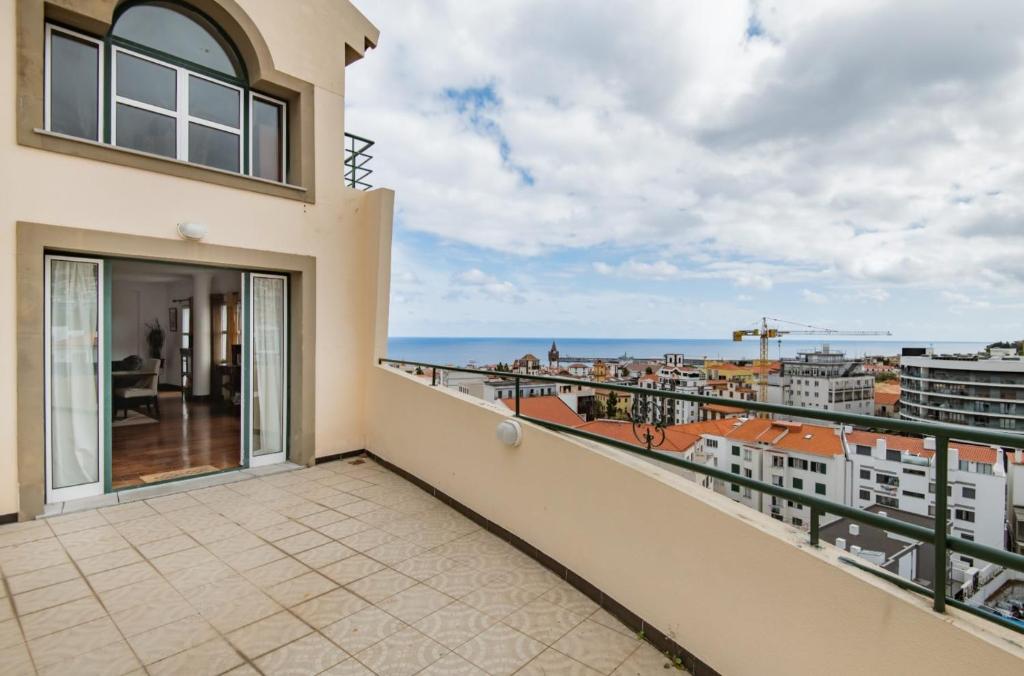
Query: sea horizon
(461, 351)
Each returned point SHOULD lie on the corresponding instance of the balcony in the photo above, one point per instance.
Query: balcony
(356, 161)
(444, 550)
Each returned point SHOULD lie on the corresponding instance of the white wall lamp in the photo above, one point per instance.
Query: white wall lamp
(510, 433)
(193, 231)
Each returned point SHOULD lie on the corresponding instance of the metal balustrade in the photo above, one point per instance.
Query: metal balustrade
(938, 535)
(356, 159)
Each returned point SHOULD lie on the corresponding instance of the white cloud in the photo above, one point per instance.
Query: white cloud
(814, 297)
(870, 145)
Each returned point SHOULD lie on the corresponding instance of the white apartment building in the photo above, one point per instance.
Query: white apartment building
(975, 390)
(683, 379)
(493, 389)
(825, 380)
(1015, 499)
(898, 472)
(799, 456)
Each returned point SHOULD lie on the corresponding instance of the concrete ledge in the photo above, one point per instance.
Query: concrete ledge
(741, 592)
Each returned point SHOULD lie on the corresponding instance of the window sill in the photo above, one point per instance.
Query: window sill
(71, 145)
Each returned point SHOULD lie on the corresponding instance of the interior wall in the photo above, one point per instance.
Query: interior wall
(134, 304)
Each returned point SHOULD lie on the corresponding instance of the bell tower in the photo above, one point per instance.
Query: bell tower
(553, 355)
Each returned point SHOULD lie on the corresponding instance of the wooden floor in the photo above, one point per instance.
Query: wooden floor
(188, 435)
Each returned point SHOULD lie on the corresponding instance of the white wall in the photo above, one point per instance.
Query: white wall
(134, 304)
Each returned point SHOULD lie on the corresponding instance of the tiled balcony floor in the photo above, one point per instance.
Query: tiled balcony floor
(344, 568)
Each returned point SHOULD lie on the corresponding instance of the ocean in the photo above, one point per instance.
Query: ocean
(480, 351)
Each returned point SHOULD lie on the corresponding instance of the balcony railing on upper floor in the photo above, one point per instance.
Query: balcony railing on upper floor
(356, 160)
(938, 536)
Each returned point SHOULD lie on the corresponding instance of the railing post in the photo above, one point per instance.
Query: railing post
(433, 377)
(815, 525)
(941, 482)
(517, 395)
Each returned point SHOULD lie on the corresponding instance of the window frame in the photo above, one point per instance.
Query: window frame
(283, 105)
(101, 53)
(108, 46)
(183, 119)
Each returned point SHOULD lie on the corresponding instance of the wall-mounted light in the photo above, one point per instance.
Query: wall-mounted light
(510, 433)
(193, 231)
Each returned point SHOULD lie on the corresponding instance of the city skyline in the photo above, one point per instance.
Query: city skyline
(685, 170)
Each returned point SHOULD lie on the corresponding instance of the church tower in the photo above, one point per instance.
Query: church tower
(553, 356)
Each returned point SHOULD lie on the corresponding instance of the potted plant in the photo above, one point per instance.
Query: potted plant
(155, 338)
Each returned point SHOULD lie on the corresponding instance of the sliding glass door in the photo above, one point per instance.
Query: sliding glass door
(267, 378)
(75, 378)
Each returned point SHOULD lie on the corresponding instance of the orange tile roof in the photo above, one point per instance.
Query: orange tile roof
(970, 452)
(886, 398)
(790, 436)
(676, 441)
(548, 407)
(722, 408)
(715, 427)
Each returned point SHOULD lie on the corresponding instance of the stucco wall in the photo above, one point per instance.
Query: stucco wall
(56, 189)
(743, 593)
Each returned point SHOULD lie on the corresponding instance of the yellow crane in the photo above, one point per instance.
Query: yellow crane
(766, 333)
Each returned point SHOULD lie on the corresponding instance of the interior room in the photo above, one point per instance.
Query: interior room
(176, 374)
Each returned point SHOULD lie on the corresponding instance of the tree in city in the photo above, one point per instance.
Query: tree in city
(613, 405)
(649, 371)
(886, 376)
(598, 410)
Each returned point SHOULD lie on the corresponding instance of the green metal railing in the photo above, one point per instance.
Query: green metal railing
(938, 536)
(356, 159)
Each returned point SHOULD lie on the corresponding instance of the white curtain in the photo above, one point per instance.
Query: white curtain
(268, 362)
(74, 368)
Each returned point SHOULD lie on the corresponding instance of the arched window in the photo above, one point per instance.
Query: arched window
(164, 81)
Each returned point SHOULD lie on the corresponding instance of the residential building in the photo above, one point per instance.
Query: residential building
(494, 389)
(546, 407)
(163, 162)
(670, 378)
(975, 390)
(578, 370)
(800, 456)
(887, 399)
(527, 364)
(898, 472)
(825, 380)
(1015, 499)
(910, 559)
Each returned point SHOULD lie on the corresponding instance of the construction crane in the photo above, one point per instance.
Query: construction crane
(766, 333)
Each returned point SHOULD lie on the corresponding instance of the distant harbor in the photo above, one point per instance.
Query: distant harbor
(481, 351)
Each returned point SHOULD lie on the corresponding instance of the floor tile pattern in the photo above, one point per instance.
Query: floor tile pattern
(343, 568)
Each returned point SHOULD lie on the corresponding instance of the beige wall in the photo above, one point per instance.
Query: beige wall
(339, 229)
(743, 593)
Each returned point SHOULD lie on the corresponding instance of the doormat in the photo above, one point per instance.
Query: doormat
(134, 418)
(177, 473)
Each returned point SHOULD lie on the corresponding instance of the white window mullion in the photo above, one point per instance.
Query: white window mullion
(182, 114)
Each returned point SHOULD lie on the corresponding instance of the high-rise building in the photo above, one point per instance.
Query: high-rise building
(826, 380)
(976, 390)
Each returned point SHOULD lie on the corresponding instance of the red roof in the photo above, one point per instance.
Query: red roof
(790, 436)
(716, 427)
(970, 452)
(722, 408)
(886, 398)
(676, 440)
(548, 407)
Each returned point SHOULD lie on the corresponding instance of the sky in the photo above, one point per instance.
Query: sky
(678, 169)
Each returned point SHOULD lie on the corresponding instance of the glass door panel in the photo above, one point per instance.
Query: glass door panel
(75, 428)
(268, 369)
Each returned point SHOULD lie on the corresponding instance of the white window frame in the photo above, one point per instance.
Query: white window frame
(181, 114)
(47, 56)
(282, 455)
(54, 495)
(283, 105)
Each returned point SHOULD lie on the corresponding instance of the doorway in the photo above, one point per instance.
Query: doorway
(160, 371)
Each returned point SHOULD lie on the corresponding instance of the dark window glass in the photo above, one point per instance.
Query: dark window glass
(267, 132)
(147, 131)
(213, 102)
(212, 147)
(145, 81)
(74, 87)
(176, 31)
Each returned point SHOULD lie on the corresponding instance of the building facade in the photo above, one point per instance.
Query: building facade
(963, 389)
(205, 150)
(825, 380)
